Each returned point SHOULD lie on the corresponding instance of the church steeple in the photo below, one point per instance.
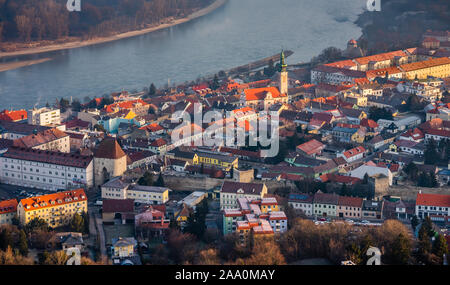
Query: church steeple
(283, 64)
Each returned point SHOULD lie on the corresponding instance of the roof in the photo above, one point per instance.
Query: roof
(110, 149)
(350, 201)
(380, 57)
(116, 206)
(20, 128)
(8, 206)
(13, 115)
(425, 64)
(354, 151)
(247, 188)
(52, 200)
(301, 198)
(433, 200)
(39, 138)
(311, 147)
(261, 93)
(50, 157)
(326, 198)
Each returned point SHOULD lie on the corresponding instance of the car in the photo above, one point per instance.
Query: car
(322, 219)
(365, 222)
(349, 221)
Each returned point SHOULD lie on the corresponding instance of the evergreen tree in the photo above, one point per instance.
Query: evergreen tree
(401, 250)
(414, 222)
(440, 246)
(152, 90)
(23, 243)
(77, 223)
(146, 179)
(160, 181)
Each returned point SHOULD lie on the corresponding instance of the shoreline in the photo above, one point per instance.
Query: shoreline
(18, 64)
(78, 44)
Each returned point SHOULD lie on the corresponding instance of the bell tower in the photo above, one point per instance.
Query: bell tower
(283, 75)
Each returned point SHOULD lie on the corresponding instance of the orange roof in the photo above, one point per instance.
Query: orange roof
(433, 200)
(354, 151)
(311, 147)
(425, 64)
(245, 125)
(13, 116)
(380, 57)
(159, 142)
(52, 200)
(125, 105)
(244, 110)
(382, 72)
(368, 123)
(8, 206)
(342, 64)
(261, 93)
(152, 127)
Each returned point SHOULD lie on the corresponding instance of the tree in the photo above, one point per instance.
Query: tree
(215, 83)
(431, 155)
(76, 105)
(412, 171)
(440, 246)
(146, 179)
(77, 223)
(401, 250)
(152, 90)
(23, 243)
(264, 252)
(376, 113)
(365, 179)
(160, 181)
(64, 105)
(5, 239)
(414, 222)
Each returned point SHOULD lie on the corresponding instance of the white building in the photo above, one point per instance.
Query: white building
(231, 191)
(432, 205)
(46, 169)
(117, 189)
(371, 169)
(44, 116)
(302, 202)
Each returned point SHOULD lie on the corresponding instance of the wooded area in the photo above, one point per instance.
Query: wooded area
(35, 20)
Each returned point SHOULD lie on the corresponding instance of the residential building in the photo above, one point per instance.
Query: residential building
(231, 191)
(8, 209)
(52, 140)
(353, 154)
(56, 209)
(349, 207)
(372, 209)
(46, 169)
(221, 161)
(432, 205)
(117, 189)
(44, 116)
(311, 148)
(302, 202)
(325, 204)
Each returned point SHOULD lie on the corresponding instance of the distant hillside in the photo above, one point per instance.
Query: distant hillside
(36, 20)
(401, 23)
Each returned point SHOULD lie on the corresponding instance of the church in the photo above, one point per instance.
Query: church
(263, 98)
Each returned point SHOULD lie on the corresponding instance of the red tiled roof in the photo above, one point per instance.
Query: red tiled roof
(116, 206)
(8, 206)
(380, 57)
(55, 199)
(13, 116)
(354, 151)
(311, 147)
(41, 138)
(109, 148)
(433, 200)
(368, 123)
(350, 201)
(261, 93)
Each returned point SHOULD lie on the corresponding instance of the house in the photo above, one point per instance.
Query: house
(263, 98)
(8, 209)
(407, 146)
(353, 154)
(325, 204)
(158, 146)
(349, 207)
(311, 148)
(13, 115)
(219, 160)
(44, 116)
(52, 140)
(372, 209)
(14, 130)
(117, 188)
(415, 135)
(118, 209)
(302, 202)
(124, 251)
(56, 209)
(432, 205)
(193, 199)
(152, 222)
(70, 240)
(231, 191)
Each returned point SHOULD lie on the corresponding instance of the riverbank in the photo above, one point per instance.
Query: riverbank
(78, 44)
(18, 64)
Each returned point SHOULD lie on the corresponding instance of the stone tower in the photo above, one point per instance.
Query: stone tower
(109, 161)
(283, 75)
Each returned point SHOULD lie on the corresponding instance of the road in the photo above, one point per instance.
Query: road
(101, 234)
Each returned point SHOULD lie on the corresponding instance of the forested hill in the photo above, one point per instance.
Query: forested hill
(36, 20)
(401, 23)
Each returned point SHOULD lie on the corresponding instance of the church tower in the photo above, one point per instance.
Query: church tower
(283, 75)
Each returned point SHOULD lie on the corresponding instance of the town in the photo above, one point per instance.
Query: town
(363, 161)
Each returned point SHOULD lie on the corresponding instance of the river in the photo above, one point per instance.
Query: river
(239, 32)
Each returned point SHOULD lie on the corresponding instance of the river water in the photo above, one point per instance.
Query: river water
(237, 33)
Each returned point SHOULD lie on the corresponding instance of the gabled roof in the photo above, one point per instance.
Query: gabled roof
(41, 138)
(118, 206)
(110, 149)
(354, 151)
(350, 201)
(433, 200)
(55, 199)
(261, 93)
(247, 188)
(311, 147)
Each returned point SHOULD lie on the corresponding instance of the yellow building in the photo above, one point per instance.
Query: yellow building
(225, 162)
(437, 67)
(56, 209)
